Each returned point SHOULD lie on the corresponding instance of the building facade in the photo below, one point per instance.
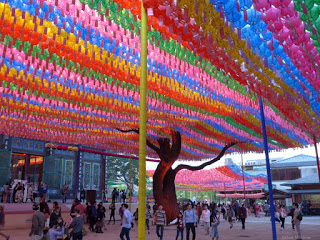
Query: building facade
(293, 168)
(31, 161)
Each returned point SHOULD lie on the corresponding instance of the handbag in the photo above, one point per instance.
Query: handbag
(84, 232)
(283, 214)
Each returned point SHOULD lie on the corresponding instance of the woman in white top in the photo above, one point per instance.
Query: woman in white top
(219, 209)
(206, 218)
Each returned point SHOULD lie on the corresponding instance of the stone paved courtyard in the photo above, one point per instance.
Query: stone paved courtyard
(256, 229)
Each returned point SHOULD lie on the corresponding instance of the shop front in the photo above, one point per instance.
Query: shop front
(29, 161)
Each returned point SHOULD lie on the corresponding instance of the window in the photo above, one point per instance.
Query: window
(285, 174)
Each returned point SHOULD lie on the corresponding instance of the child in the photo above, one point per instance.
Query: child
(179, 226)
(60, 223)
(214, 228)
(179, 222)
(148, 216)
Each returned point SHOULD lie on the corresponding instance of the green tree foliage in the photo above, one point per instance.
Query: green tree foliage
(119, 170)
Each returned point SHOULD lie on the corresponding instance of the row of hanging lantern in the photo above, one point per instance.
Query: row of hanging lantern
(73, 72)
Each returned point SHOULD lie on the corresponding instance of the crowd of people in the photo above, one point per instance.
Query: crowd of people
(189, 217)
(48, 224)
(17, 192)
(118, 196)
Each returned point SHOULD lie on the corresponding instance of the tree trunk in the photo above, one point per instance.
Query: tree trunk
(164, 192)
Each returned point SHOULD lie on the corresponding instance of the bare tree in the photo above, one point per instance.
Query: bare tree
(164, 190)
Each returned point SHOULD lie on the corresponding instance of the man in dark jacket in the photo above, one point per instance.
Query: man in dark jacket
(38, 221)
(243, 215)
(291, 213)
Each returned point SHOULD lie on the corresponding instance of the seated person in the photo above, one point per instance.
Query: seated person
(57, 230)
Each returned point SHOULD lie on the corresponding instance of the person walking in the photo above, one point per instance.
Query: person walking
(180, 227)
(257, 207)
(266, 209)
(213, 210)
(297, 217)
(30, 193)
(126, 222)
(243, 215)
(88, 212)
(309, 206)
(34, 192)
(64, 192)
(104, 196)
(118, 195)
(219, 210)
(283, 214)
(121, 214)
(93, 216)
(124, 196)
(199, 212)
(11, 191)
(236, 210)
(160, 221)
(148, 216)
(80, 206)
(102, 214)
(291, 214)
(214, 228)
(5, 193)
(38, 222)
(2, 222)
(113, 195)
(223, 211)
(154, 208)
(190, 221)
(206, 218)
(112, 209)
(77, 225)
(230, 215)
(82, 195)
(100, 218)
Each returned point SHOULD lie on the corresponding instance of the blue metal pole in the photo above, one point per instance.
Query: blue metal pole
(77, 172)
(265, 141)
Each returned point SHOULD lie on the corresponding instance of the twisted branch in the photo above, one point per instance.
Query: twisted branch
(195, 168)
(149, 144)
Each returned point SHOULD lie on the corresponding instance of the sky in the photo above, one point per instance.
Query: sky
(236, 158)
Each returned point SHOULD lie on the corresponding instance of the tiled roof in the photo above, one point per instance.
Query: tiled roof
(296, 161)
(311, 179)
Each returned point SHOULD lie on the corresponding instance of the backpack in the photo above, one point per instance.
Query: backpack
(93, 212)
(299, 216)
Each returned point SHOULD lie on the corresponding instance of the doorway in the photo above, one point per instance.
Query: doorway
(26, 167)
